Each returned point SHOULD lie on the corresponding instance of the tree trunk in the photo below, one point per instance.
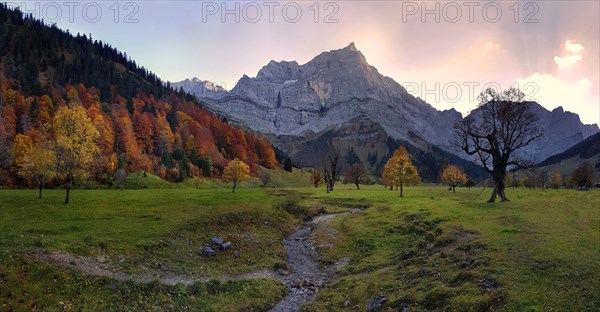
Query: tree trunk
(454, 189)
(69, 184)
(357, 186)
(499, 186)
(234, 185)
(391, 188)
(41, 187)
(401, 195)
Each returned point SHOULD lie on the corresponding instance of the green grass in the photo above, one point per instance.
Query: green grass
(437, 251)
(432, 249)
(28, 285)
(154, 230)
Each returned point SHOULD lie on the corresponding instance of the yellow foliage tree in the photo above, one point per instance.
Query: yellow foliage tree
(236, 172)
(557, 181)
(74, 136)
(21, 149)
(453, 176)
(400, 171)
(39, 167)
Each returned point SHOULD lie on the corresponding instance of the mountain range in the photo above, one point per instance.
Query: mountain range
(338, 100)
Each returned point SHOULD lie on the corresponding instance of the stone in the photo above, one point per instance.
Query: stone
(209, 252)
(297, 283)
(226, 246)
(488, 283)
(283, 272)
(216, 240)
(376, 303)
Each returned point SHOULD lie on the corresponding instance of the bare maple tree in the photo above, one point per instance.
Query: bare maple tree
(501, 125)
(331, 170)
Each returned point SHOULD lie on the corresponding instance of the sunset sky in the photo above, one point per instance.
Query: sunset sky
(550, 48)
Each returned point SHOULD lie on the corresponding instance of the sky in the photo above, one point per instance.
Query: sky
(444, 52)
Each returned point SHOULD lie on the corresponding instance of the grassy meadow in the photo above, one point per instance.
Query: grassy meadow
(431, 250)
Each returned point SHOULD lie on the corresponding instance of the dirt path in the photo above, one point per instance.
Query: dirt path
(304, 280)
(306, 276)
(92, 266)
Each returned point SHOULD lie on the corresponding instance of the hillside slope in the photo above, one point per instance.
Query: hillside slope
(144, 124)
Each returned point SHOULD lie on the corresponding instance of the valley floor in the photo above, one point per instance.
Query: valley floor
(431, 250)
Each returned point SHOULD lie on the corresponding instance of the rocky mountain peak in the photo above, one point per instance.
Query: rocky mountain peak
(338, 87)
(279, 71)
(351, 47)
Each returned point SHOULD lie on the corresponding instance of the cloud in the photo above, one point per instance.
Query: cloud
(573, 95)
(573, 47)
(573, 55)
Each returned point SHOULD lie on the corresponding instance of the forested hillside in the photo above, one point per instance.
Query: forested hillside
(586, 149)
(142, 122)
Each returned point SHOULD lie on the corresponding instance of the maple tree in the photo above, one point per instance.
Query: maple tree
(357, 174)
(556, 181)
(315, 178)
(400, 171)
(501, 125)
(453, 175)
(236, 172)
(22, 148)
(74, 144)
(39, 167)
(331, 170)
(583, 176)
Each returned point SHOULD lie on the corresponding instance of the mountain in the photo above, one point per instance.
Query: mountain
(565, 163)
(143, 123)
(338, 99)
(586, 149)
(336, 87)
(201, 88)
(562, 130)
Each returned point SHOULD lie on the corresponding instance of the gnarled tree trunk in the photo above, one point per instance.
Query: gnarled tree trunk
(498, 176)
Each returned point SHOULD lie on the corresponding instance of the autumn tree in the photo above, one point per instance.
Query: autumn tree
(525, 181)
(38, 167)
(265, 178)
(236, 172)
(542, 178)
(583, 176)
(400, 171)
(453, 175)
(74, 137)
(315, 178)
(470, 183)
(267, 154)
(331, 170)
(22, 146)
(501, 125)
(357, 174)
(556, 181)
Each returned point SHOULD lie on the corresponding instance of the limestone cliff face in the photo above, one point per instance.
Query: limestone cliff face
(339, 87)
